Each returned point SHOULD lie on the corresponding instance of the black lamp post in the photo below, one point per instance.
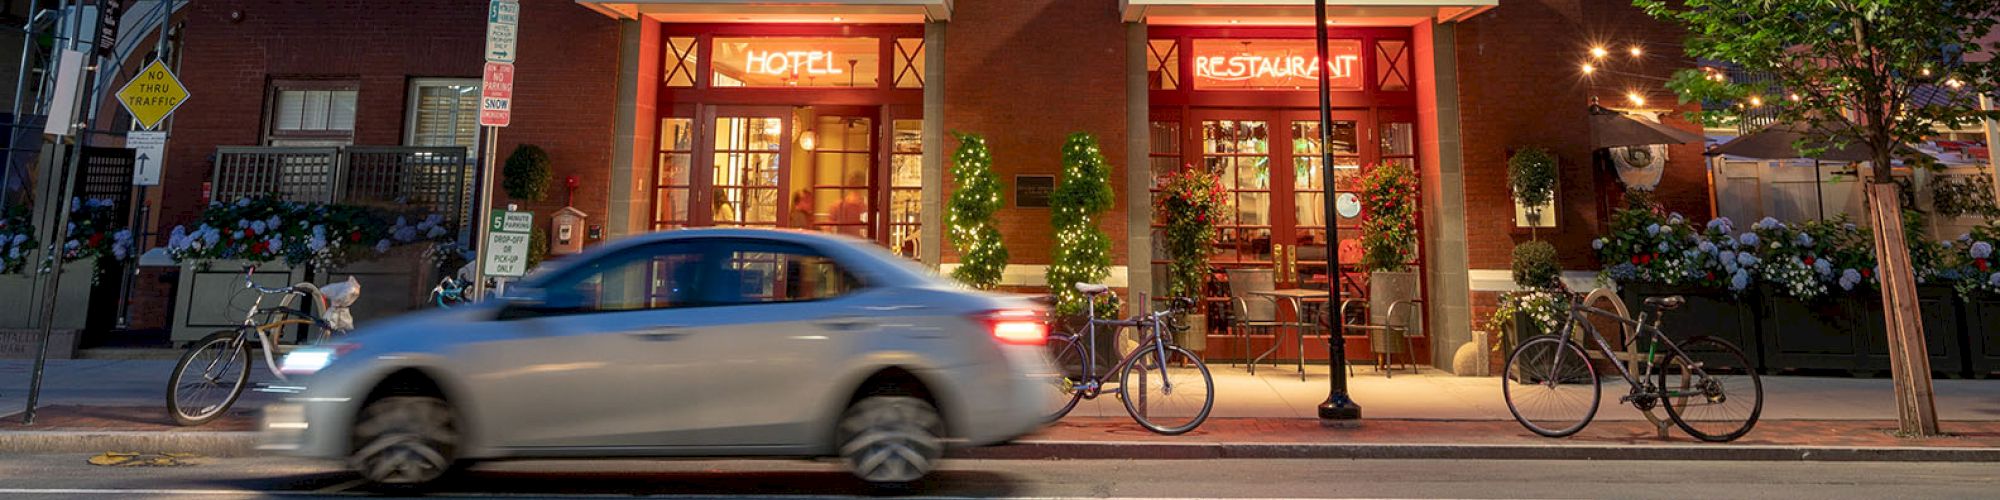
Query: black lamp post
(1338, 410)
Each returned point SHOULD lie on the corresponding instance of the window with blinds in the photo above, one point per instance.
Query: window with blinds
(443, 112)
(312, 113)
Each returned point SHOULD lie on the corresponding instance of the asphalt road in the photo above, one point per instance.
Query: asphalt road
(69, 476)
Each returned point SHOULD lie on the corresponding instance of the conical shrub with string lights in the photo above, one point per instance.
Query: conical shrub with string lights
(1083, 251)
(974, 201)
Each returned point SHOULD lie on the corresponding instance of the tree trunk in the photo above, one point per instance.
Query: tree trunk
(1910, 365)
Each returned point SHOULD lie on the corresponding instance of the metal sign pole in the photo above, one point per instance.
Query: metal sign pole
(482, 224)
(53, 255)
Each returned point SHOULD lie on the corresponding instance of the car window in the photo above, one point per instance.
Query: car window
(760, 272)
(648, 277)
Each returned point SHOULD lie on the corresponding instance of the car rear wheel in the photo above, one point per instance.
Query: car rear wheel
(405, 441)
(891, 440)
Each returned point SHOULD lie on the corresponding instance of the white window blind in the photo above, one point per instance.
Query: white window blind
(443, 112)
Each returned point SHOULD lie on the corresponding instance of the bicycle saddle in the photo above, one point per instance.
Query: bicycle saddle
(1091, 288)
(1667, 303)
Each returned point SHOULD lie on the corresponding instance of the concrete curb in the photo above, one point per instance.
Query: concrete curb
(237, 444)
(212, 444)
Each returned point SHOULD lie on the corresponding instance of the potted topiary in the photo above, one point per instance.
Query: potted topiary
(970, 215)
(1082, 250)
(1388, 243)
(1192, 201)
(1531, 172)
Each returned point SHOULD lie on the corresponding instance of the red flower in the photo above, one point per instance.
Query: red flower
(259, 247)
(249, 233)
(1711, 275)
(1867, 273)
(1635, 260)
(95, 239)
(1809, 261)
(354, 236)
(1981, 263)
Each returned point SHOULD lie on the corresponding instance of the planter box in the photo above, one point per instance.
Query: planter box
(1846, 331)
(1982, 327)
(214, 298)
(1709, 311)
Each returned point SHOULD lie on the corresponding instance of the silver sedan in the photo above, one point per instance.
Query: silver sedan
(690, 343)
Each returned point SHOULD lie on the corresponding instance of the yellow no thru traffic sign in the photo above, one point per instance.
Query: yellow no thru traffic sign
(152, 95)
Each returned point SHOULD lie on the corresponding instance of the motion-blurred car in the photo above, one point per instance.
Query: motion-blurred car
(690, 343)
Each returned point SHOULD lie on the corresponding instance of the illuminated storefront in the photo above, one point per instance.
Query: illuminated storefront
(798, 126)
(1243, 103)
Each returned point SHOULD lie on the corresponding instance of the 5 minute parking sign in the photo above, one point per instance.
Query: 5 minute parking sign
(507, 243)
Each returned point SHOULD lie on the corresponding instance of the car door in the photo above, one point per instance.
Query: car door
(775, 351)
(601, 360)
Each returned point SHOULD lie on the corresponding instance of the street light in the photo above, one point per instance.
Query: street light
(1599, 52)
(1339, 409)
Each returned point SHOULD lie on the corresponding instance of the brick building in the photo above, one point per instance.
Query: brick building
(835, 115)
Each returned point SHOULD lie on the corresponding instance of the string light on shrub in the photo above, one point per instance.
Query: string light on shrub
(1756, 101)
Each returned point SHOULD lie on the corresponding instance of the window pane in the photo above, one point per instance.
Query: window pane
(909, 67)
(1398, 139)
(654, 277)
(909, 136)
(780, 273)
(1163, 64)
(446, 114)
(317, 103)
(290, 110)
(679, 65)
(340, 113)
(1392, 65)
(1166, 137)
(796, 62)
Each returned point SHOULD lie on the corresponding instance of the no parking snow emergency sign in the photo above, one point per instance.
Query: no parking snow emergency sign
(152, 95)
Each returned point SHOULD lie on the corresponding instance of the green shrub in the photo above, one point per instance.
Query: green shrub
(1535, 265)
(527, 173)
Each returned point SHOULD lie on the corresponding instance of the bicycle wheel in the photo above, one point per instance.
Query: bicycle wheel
(1170, 396)
(1068, 357)
(209, 378)
(1550, 387)
(1720, 401)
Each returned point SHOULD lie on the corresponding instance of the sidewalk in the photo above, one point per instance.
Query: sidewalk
(104, 405)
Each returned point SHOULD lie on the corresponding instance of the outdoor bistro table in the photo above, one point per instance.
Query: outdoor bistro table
(1297, 297)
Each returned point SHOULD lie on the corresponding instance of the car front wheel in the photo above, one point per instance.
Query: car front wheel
(405, 441)
(891, 440)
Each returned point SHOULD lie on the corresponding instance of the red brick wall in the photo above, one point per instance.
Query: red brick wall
(1520, 85)
(566, 84)
(566, 70)
(1027, 73)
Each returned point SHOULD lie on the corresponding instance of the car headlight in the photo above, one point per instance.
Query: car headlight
(311, 359)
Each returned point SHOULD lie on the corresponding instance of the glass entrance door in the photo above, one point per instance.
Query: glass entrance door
(1269, 163)
(748, 160)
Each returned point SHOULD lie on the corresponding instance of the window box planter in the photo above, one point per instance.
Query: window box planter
(1845, 331)
(1713, 312)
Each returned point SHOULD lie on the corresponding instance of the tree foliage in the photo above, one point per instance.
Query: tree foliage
(1878, 73)
(1083, 251)
(974, 231)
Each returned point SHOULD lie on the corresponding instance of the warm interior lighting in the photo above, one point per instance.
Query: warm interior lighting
(836, 19)
(808, 140)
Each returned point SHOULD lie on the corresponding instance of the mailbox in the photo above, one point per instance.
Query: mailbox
(566, 234)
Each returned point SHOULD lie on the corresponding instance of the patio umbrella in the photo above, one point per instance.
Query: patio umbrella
(1610, 129)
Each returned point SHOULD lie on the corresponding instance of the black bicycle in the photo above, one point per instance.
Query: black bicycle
(1165, 388)
(1707, 385)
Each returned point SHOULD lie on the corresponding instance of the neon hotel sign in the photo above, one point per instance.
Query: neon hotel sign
(791, 62)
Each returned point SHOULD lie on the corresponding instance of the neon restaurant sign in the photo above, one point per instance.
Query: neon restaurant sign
(1287, 64)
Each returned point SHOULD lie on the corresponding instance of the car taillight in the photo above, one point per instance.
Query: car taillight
(1017, 326)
